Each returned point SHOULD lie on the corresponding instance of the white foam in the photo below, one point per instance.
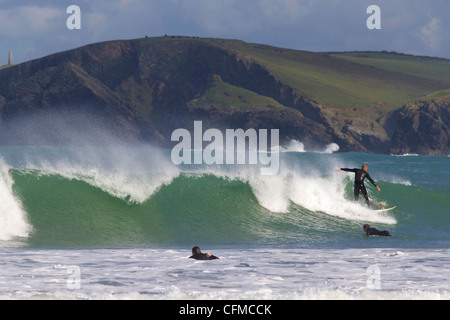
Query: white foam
(316, 191)
(271, 192)
(312, 191)
(266, 274)
(298, 146)
(331, 148)
(13, 220)
(131, 174)
(327, 195)
(406, 155)
(293, 146)
(132, 187)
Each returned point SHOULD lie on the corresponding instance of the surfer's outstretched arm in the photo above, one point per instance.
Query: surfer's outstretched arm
(373, 182)
(347, 169)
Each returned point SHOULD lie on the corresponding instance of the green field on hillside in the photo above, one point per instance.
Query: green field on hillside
(349, 80)
(222, 94)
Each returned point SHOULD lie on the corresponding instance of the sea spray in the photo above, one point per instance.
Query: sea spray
(130, 173)
(327, 194)
(298, 146)
(306, 187)
(314, 192)
(13, 220)
(293, 146)
(331, 148)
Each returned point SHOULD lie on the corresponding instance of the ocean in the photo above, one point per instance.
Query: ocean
(120, 222)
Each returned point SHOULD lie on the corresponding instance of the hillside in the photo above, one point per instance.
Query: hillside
(145, 88)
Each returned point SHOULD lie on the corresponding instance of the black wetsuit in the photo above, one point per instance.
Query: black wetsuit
(360, 175)
(376, 232)
(202, 256)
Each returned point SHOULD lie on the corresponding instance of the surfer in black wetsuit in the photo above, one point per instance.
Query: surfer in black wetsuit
(198, 255)
(360, 175)
(375, 232)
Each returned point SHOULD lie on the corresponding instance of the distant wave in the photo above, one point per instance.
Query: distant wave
(406, 155)
(297, 146)
(293, 146)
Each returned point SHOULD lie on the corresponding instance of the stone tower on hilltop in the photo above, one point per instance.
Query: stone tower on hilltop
(10, 58)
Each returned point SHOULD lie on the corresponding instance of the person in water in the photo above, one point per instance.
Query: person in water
(198, 255)
(375, 232)
(360, 175)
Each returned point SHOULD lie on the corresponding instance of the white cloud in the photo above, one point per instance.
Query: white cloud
(430, 35)
(28, 20)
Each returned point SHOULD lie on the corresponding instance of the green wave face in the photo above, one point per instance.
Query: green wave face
(303, 205)
(69, 212)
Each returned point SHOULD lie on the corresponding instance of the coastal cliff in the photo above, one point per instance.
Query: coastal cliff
(143, 89)
(423, 128)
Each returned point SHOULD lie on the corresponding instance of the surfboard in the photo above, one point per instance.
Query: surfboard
(387, 209)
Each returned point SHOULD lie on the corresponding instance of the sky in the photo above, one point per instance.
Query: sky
(33, 29)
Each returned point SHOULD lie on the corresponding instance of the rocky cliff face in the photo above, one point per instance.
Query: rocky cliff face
(141, 90)
(423, 128)
(144, 89)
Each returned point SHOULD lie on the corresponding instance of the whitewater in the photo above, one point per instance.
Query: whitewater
(119, 223)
